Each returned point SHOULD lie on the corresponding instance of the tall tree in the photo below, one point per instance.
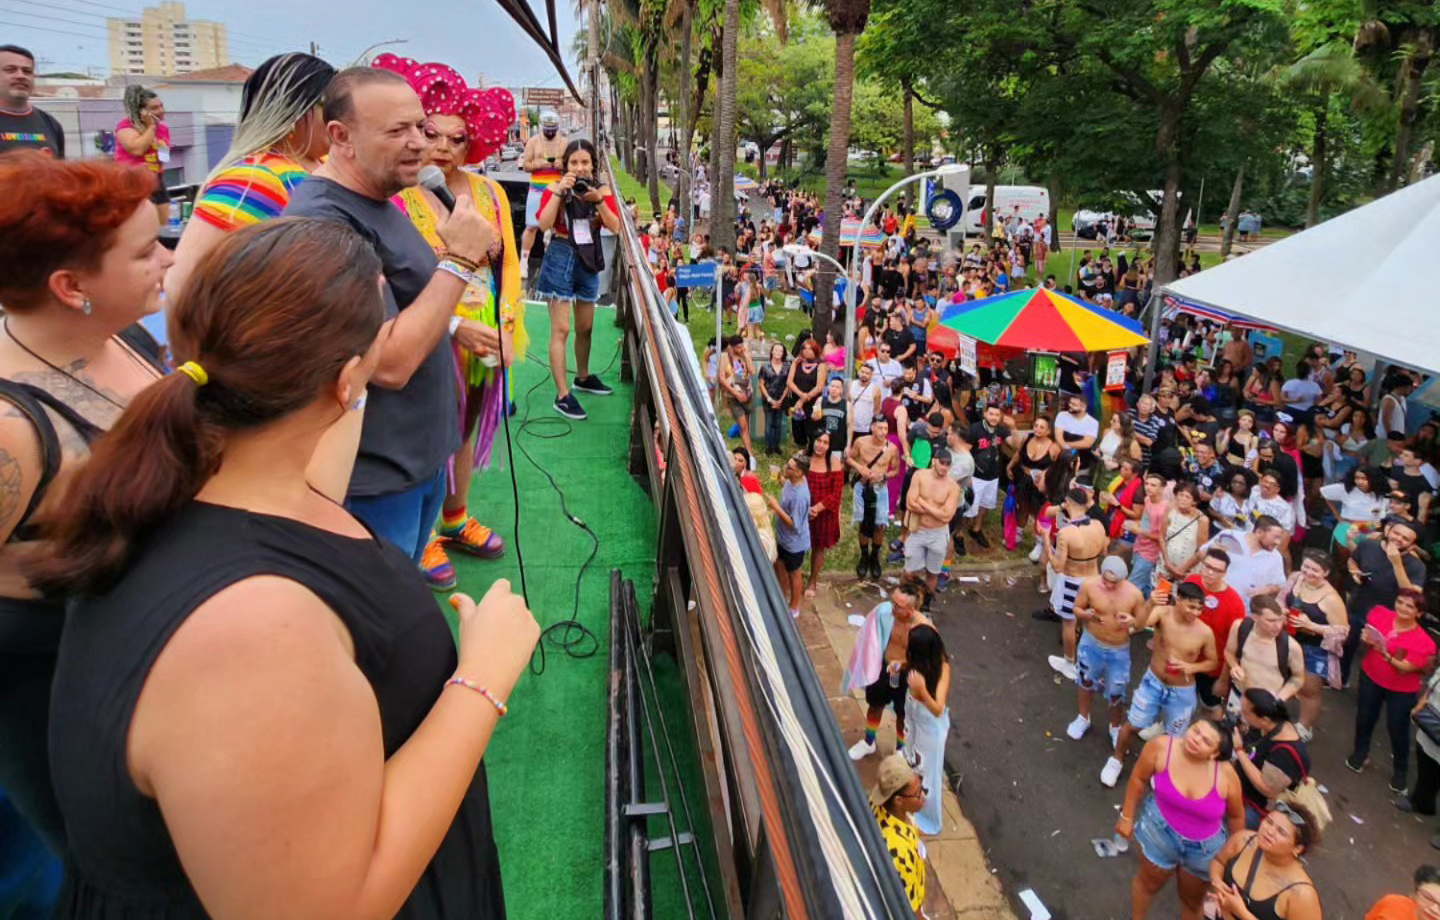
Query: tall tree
(847, 20)
(722, 180)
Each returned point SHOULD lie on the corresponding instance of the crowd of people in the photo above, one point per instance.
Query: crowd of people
(1264, 519)
(215, 625)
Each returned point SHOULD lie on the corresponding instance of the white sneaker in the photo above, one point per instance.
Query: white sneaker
(862, 749)
(1152, 731)
(1307, 734)
(1114, 736)
(1035, 553)
(1077, 729)
(1064, 666)
(1111, 773)
(524, 266)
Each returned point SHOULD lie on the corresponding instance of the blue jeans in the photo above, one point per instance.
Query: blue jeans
(403, 518)
(1168, 850)
(1142, 574)
(1097, 664)
(774, 427)
(1155, 700)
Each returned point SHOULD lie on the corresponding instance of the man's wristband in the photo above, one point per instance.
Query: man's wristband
(454, 325)
(451, 267)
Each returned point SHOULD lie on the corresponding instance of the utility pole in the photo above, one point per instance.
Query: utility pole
(314, 50)
(592, 64)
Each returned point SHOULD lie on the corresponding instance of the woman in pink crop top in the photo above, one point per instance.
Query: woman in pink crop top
(1194, 808)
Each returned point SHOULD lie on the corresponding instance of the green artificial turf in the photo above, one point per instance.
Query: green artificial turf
(547, 761)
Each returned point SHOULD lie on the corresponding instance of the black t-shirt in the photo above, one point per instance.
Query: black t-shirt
(1289, 757)
(940, 385)
(1069, 366)
(35, 130)
(899, 342)
(1412, 485)
(1378, 587)
(889, 284)
(409, 433)
(985, 448)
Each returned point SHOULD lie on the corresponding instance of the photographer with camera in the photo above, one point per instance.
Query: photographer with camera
(575, 208)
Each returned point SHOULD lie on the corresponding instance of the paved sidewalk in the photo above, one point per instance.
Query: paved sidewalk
(959, 884)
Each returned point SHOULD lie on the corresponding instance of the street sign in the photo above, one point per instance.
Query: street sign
(537, 95)
(699, 275)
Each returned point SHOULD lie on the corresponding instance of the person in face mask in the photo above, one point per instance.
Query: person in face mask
(542, 162)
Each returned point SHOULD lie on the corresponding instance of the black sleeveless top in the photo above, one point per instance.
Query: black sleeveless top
(1312, 610)
(122, 863)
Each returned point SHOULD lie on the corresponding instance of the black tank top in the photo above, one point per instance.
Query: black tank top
(122, 862)
(1312, 610)
(1263, 909)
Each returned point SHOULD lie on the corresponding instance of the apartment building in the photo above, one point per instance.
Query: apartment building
(162, 41)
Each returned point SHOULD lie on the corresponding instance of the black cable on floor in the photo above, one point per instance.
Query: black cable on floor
(571, 636)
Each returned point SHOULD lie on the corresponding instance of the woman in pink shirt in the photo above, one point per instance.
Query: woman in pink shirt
(1399, 652)
(143, 139)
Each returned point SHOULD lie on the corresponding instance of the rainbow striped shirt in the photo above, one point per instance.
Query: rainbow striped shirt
(255, 189)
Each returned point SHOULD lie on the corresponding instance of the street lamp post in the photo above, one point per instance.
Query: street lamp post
(850, 329)
(362, 57)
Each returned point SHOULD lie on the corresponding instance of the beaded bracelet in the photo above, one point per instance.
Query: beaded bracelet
(468, 263)
(499, 704)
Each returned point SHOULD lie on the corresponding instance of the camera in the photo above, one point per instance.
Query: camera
(582, 187)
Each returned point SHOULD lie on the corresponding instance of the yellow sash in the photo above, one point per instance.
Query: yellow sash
(478, 301)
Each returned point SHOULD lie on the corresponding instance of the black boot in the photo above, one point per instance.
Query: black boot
(875, 562)
(862, 568)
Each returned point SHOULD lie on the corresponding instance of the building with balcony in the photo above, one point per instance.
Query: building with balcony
(162, 41)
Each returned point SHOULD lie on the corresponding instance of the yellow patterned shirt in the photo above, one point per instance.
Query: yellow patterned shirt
(903, 842)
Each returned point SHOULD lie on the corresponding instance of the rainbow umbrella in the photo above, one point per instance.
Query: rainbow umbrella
(849, 226)
(1040, 320)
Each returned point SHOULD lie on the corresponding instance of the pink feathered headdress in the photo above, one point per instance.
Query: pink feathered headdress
(488, 113)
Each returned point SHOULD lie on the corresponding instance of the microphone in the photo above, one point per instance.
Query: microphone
(432, 178)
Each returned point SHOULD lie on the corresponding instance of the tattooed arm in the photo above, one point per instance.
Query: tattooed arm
(20, 467)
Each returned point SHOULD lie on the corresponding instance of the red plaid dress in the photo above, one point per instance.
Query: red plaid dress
(826, 488)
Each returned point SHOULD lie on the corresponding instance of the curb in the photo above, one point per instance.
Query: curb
(968, 568)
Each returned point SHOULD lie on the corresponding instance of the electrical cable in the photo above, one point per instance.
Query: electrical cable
(571, 636)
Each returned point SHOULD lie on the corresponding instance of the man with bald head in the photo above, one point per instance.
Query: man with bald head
(377, 144)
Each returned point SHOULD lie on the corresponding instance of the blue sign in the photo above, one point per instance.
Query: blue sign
(699, 275)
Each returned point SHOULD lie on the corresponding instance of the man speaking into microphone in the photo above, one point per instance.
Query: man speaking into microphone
(377, 145)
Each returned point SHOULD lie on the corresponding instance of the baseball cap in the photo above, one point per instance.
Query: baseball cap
(548, 118)
(1114, 567)
(894, 774)
(940, 455)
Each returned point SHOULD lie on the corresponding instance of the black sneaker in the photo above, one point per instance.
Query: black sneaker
(1355, 766)
(569, 407)
(980, 539)
(592, 384)
(1397, 786)
(959, 544)
(1046, 615)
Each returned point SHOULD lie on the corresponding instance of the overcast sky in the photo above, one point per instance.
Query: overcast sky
(474, 37)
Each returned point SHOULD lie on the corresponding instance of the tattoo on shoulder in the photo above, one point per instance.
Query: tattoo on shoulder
(11, 487)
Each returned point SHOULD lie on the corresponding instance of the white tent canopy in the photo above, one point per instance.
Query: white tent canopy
(1364, 279)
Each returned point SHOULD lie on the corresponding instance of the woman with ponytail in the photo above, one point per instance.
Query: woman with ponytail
(279, 139)
(258, 711)
(83, 265)
(143, 139)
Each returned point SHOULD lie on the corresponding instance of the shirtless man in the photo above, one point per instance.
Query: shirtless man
(542, 161)
(1183, 647)
(1108, 605)
(890, 687)
(931, 503)
(874, 460)
(1079, 544)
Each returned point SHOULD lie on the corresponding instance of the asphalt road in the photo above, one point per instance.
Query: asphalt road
(1035, 796)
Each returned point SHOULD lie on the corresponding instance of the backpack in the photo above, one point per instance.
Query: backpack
(1282, 647)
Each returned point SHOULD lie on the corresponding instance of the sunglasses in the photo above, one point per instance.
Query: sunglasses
(456, 140)
(1295, 817)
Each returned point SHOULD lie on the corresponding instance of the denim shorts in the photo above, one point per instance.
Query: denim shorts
(1142, 572)
(1097, 664)
(1168, 850)
(1317, 660)
(1154, 700)
(564, 277)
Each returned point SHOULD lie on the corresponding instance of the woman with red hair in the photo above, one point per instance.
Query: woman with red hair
(464, 126)
(83, 265)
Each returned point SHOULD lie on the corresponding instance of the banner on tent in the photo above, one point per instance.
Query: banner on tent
(967, 356)
(1177, 305)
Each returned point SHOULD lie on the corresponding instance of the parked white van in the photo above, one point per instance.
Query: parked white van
(1033, 201)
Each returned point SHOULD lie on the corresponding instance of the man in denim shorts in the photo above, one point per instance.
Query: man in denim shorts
(1183, 647)
(1108, 605)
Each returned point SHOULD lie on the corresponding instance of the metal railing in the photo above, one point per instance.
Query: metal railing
(792, 831)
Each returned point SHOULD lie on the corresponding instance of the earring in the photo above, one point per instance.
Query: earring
(360, 401)
(86, 307)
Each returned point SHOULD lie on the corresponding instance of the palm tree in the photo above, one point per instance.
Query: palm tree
(722, 138)
(1329, 72)
(847, 21)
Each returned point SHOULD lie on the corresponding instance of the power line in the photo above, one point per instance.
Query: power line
(247, 38)
(131, 14)
(100, 33)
